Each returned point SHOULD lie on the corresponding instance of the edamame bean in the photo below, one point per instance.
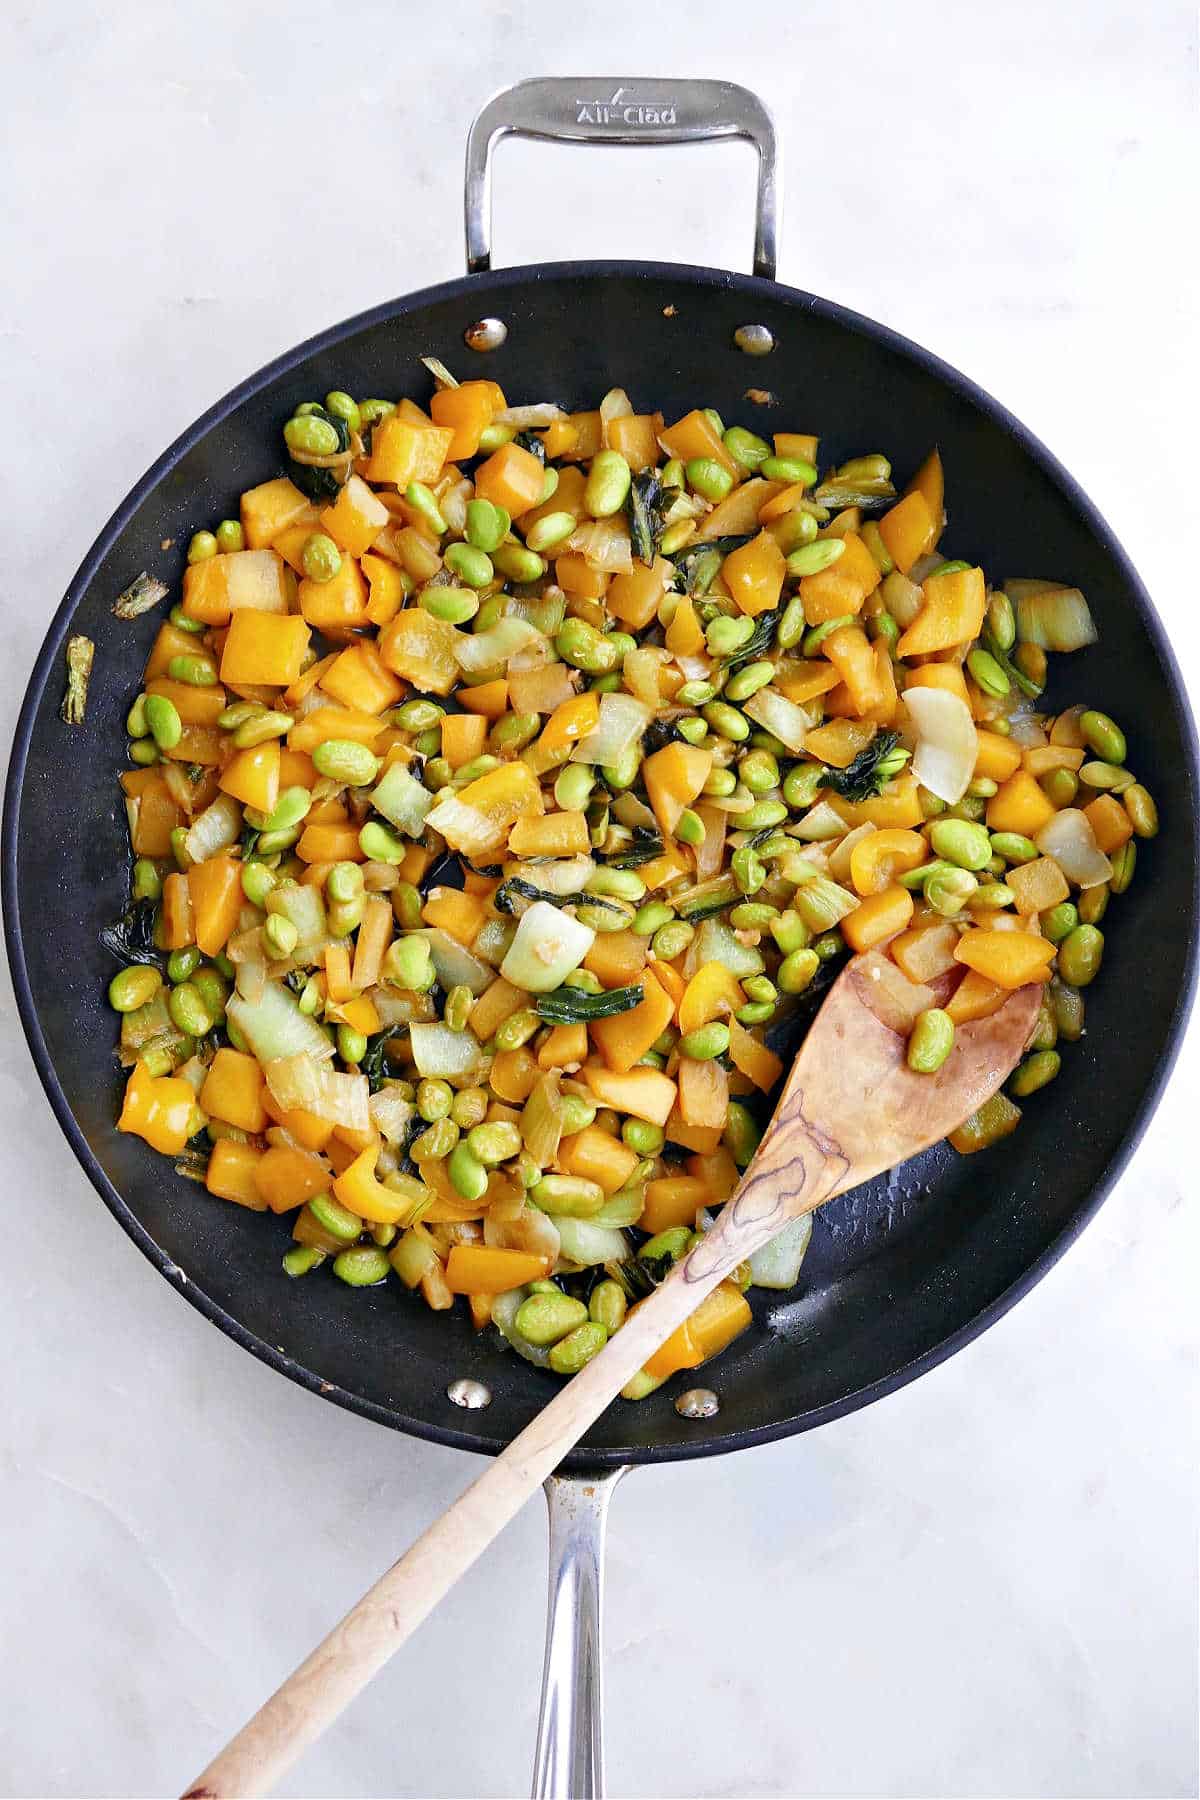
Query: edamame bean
(788, 468)
(344, 881)
(695, 693)
(135, 719)
(930, 1041)
(550, 530)
(342, 407)
(365, 1265)
(292, 805)
(747, 450)
(753, 915)
(670, 941)
(371, 411)
(407, 965)
(708, 478)
(518, 564)
(517, 1029)
(725, 635)
(1059, 921)
(572, 1195)
(674, 1242)
(581, 645)
(261, 728)
(987, 674)
(689, 828)
(1060, 786)
(487, 525)
(1001, 623)
(577, 1113)
(1093, 904)
(424, 504)
(642, 1136)
(301, 1259)
(1080, 955)
(759, 771)
(133, 987)
(706, 1042)
(1013, 847)
(949, 890)
(1110, 778)
(748, 680)
(281, 935)
(797, 970)
(468, 1176)
(607, 484)
(762, 815)
(1124, 861)
(573, 787)
(741, 1134)
(1034, 1073)
(748, 870)
(470, 565)
(494, 1143)
(1103, 736)
(544, 1319)
(406, 902)
(343, 916)
(320, 557)
(457, 1010)
(1068, 1008)
(147, 882)
(311, 436)
(144, 752)
(165, 725)
(181, 622)
(720, 783)
(335, 1218)
(188, 1011)
(956, 841)
(434, 1099)
(202, 546)
(727, 721)
(230, 536)
(607, 1305)
(1143, 813)
(351, 1044)
(810, 559)
(790, 932)
(570, 1353)
(617, 884)
(182, 964)
(435, 1144)
(344, 760)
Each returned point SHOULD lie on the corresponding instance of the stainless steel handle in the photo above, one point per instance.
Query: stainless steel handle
(602, 110)
(569, 1764)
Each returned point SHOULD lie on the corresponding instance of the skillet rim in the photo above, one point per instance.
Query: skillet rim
(696, 276)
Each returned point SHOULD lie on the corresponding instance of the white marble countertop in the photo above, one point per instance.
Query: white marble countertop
(986, 1584)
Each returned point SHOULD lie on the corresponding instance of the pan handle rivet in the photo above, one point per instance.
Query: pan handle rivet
(754, 340)
(471, 1394)
(485, 334)
(698, 1403)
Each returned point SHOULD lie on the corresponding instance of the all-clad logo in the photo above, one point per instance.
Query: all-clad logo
(622, 109)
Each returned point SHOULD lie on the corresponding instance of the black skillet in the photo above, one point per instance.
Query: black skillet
(899, 1274)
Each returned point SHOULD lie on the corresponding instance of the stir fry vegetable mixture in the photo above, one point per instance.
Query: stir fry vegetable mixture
(500, 777)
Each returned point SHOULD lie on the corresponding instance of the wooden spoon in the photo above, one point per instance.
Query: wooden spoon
(851, 1108)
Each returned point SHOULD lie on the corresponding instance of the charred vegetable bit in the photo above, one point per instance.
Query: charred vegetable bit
(504, 776)
(568, 1006)
(865, 777)
(142, 593)
(80, 652)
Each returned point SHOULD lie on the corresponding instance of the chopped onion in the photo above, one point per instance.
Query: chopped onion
(454, 963)
(1056, 618)
(436, 1050)
(947, 742)
(604, 544)
(839, 856)
(464, 827)
(275, 1027)
(620, 725)
(390, 1113)
(777, 1264)
(616, 404)
(300, 1082)
(585, 1243)
(892, 997)
(627, 809)
(780, 716)
(404, 801)
(1025, 728)
(548, 945)
(531, 1230)
(453, 504)
(695, 668)
(902, 597)
(397, 1008)
(251, 976)
(439, 371)
(495, 935)
(563, 876)
(530, 418)
(820, 821)
(1071, 842)
(217, 827)
(640, 671)
(925, 565)
(302, 904)
(491, 649)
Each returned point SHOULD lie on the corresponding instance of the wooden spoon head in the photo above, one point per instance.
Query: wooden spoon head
(852, 1100)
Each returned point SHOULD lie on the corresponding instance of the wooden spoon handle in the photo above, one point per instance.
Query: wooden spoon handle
(356, 1649)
